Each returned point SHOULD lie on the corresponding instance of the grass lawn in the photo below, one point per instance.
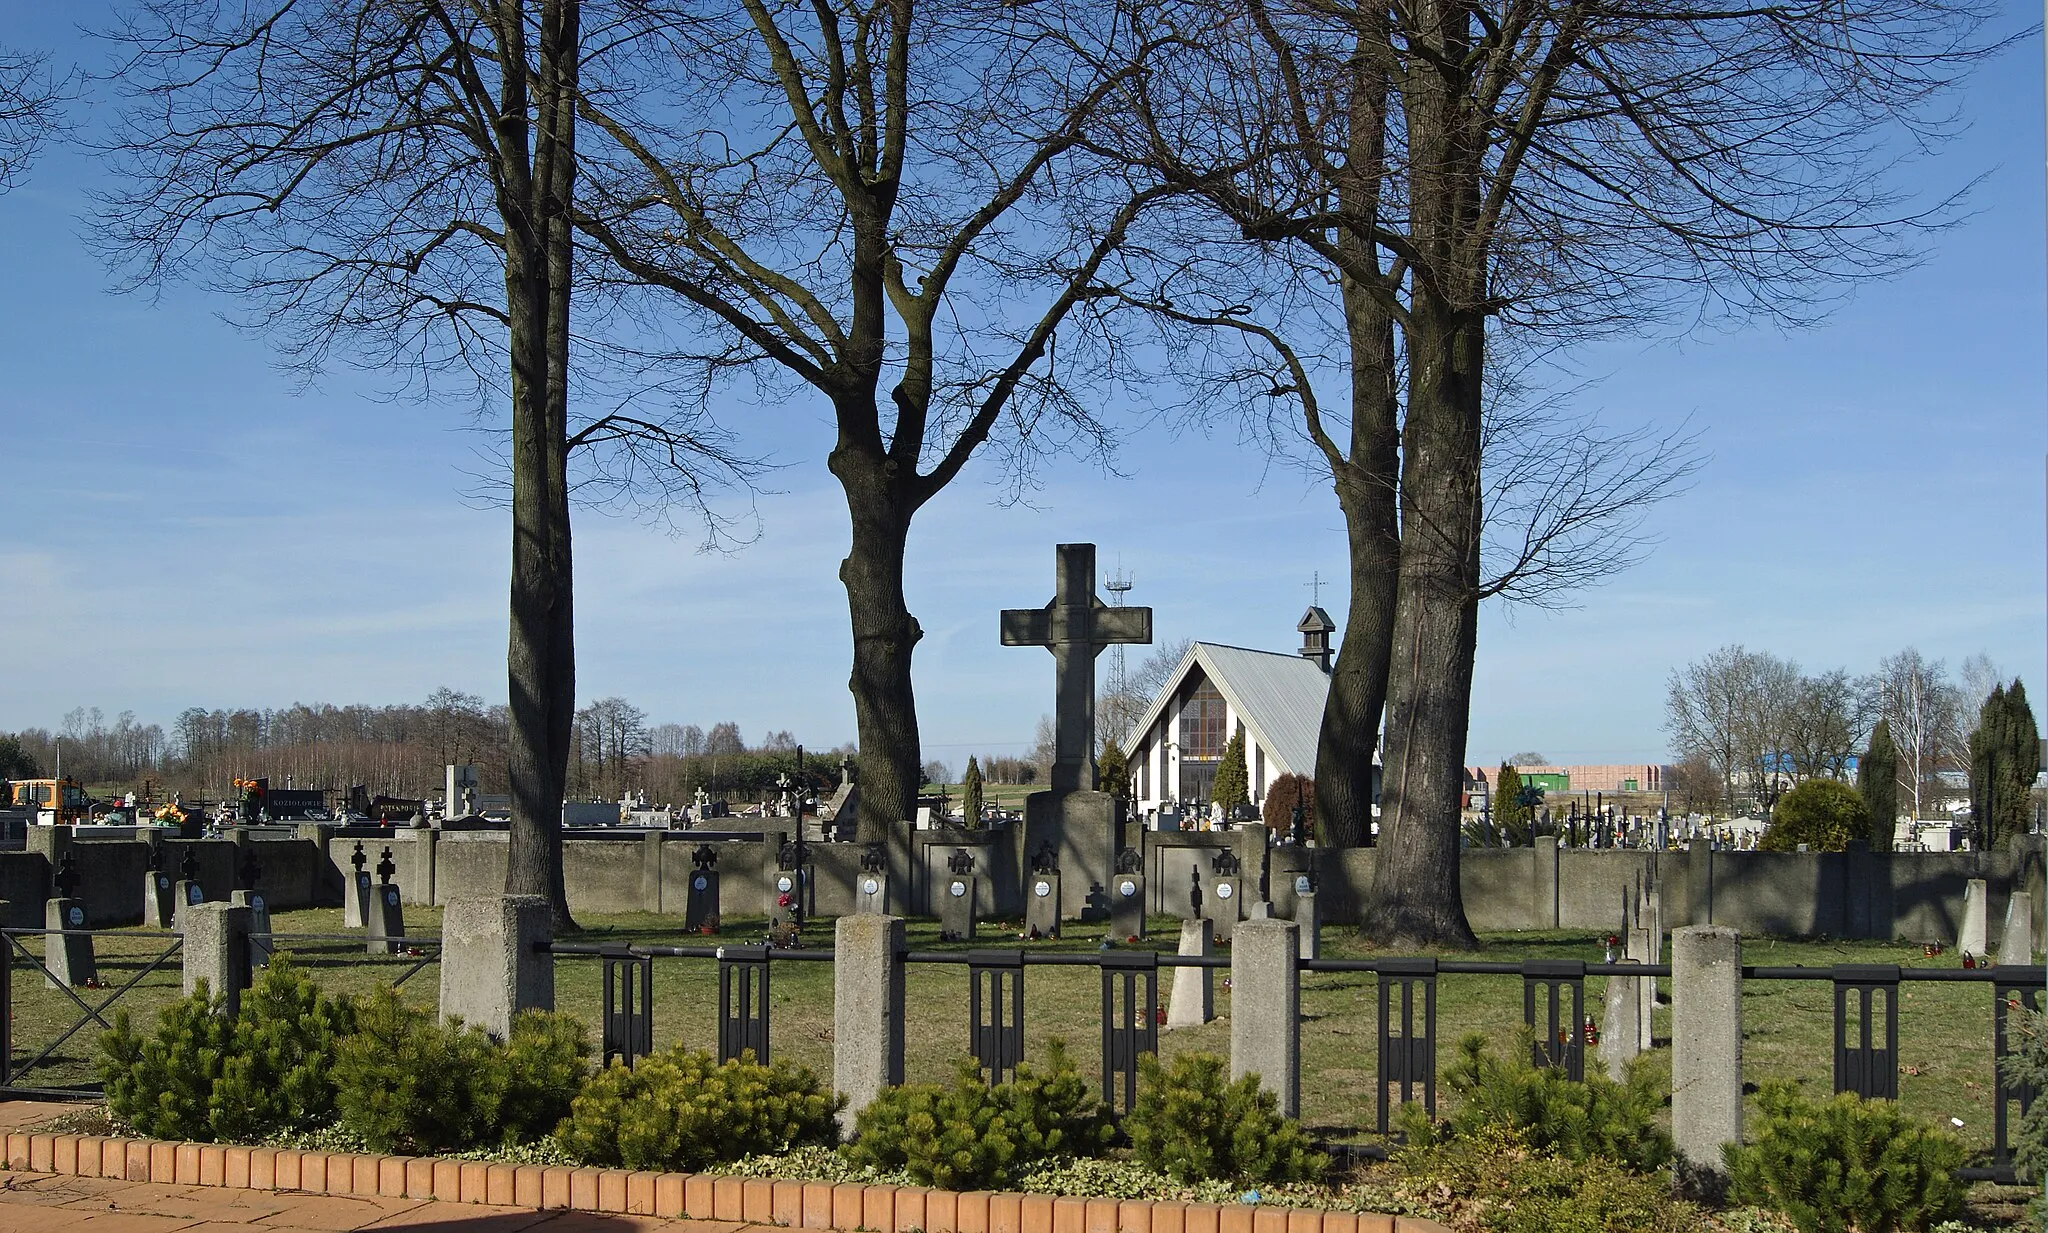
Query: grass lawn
(1944, 1029)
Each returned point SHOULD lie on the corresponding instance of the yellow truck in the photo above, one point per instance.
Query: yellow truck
(53, 800)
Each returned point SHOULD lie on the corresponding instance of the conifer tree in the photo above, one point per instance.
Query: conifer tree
(1233, 780)
(2005, 756)
(970, 791)
(1112, 771)
(1510, 815)
(1877, 782)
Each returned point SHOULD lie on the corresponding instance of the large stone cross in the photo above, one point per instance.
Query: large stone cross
(1075, 627)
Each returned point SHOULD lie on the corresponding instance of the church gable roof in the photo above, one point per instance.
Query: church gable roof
(1278, 697)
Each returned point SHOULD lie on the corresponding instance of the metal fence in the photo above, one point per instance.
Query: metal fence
(1866, 1010)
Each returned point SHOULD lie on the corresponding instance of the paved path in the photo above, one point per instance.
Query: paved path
(45, 1203)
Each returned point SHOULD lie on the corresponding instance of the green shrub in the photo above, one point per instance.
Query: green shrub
(1190, 1124)
(409, 1083)
(680, 1110)
(1820, 813)
(2027, 1063)
(970, 1136)
(206, 1077)
(1845, 1163)
(1598, 1118)
(1493, 1179)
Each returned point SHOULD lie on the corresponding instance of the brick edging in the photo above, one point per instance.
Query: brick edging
(842, 1207)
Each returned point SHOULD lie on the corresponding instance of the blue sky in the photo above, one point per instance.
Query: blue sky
(184, 524)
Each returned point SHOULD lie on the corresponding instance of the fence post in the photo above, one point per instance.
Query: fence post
(867, 1010)
(1706, 1052)
(1265, 1008)
(217, 950)
(490, 969)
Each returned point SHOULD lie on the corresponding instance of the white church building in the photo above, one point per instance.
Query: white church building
(1216, 691)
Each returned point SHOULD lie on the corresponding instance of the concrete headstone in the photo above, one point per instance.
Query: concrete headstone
(260, 947)
(2016, 945)
(159, 903)
(68, 955)
(1974, 937)
(387, 920)
(1127, 906)
(1621, 1036)
(956, 907)
(1042, 904)
(1193, 999)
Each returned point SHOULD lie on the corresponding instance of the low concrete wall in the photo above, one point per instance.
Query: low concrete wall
(1916, 896)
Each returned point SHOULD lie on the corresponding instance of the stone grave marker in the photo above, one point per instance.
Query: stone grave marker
(1080, 823)
(1193, 1001)
(67, 956)
(186, 891)
(1621, 1040)
(871, 887)
(785, 889)
(159, 904)
(1224, 895)
(700, 902)
(1974, 938)
(356, 894)
(1127, 897)
(2016, 946)
(1042, 895)
(386, 911)
(247, 896)
(1308, 916)
(956, 899)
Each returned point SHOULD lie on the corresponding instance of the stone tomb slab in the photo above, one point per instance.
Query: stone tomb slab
(1082, 828)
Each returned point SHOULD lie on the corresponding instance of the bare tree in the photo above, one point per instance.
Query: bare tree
(397, 181)
(30, 96)
(1120, 712)
(839, 196)
(1826, 725)
(1914, 695)
(1479, 170)
(1732, 711)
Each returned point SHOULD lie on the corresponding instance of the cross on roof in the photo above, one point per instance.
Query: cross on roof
(1075, 627)
(1315, 586)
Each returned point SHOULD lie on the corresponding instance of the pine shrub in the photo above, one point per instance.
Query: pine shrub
(206, 1077)
(1845, 1163)
(2027, 1064)
(1599, 1118)
(969, 1135)
(1190, 1124)
(411, 1083)
(680, 1110)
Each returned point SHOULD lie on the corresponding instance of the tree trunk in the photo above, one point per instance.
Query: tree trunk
(1366, 492)
(1416, 899)
(535, 198)
(884, 635)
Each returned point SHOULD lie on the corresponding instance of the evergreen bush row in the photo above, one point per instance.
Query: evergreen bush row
(1525, 1147)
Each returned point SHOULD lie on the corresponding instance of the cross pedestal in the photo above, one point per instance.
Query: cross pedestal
(1079, 823)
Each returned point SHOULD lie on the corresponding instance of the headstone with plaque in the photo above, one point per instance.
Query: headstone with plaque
(1042, 894)
(700, 904)
(247, 896)
(1308, 916)
(956, 898)
(186, 891)
(871, 885)
(357, 892)
(785, 888)
(159, 905)
(1224, 900)
(67, 951)
(1127, 897)
(386, 911)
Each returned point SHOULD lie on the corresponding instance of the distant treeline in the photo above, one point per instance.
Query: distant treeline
(401, 750)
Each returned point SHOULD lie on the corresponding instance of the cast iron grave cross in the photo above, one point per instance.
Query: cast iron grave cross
(1075, 627)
